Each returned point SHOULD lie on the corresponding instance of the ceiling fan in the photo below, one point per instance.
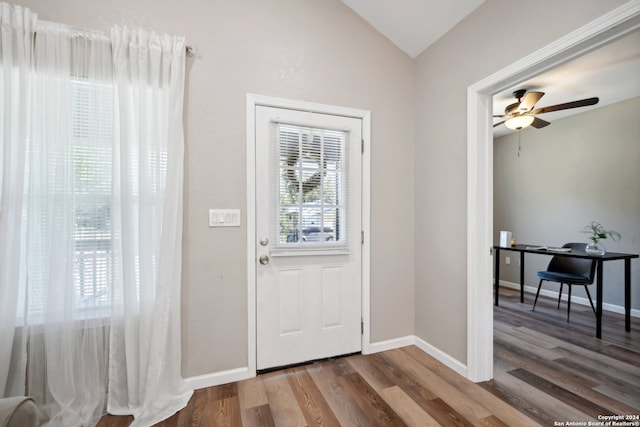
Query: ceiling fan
(521, 114)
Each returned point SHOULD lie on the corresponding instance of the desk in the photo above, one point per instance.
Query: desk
(600, 259)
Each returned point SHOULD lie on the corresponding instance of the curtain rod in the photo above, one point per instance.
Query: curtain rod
(190, 50)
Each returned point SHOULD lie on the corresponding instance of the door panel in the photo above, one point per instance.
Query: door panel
(308, 249)
(290, 302)
(331, 297)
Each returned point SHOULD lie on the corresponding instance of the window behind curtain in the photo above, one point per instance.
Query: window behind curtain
(91, 130)
(92, 136)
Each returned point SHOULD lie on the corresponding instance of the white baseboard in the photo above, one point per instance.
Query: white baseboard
(574, 299)
(239, 374)
(432, 351)
(218, 378)
(377, 347)
(442, 357)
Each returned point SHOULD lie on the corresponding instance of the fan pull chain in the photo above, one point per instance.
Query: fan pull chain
(519, 145)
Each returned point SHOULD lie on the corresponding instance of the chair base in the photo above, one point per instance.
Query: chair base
(568, 297)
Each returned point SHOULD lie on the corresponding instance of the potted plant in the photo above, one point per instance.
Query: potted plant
(597, 232)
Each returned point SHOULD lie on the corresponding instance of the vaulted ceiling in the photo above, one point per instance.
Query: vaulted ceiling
(610, 73)
(413, 25)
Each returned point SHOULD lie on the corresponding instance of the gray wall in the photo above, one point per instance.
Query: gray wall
(317, 51)
(578, 169)
(320, 51)
(497, 34)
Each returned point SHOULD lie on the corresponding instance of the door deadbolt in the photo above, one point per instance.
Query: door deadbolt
(264, 241)
(264, 259)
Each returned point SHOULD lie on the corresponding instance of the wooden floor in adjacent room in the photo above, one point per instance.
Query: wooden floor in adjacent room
(545, 371)
(552, 370)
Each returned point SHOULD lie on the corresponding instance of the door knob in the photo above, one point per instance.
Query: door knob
(264, 259)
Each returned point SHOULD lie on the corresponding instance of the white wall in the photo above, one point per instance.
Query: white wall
(574, 171)
(317, 51)
(497, 34)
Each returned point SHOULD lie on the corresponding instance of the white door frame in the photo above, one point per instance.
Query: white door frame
(253, 101)
(609, 27)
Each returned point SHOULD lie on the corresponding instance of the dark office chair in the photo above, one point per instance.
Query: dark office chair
(569, 271)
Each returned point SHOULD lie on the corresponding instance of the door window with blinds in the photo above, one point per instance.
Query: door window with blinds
(311, 187)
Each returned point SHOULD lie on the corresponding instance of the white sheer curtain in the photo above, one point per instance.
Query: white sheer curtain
(17, 26)
(91, 220)
(147, 221)
(66, 328)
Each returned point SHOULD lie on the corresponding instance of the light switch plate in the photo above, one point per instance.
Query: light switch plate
(224, 217)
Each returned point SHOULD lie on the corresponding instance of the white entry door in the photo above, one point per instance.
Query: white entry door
(308, 227)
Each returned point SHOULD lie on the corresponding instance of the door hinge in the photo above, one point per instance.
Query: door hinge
(362, 146)
(361, 327)
(362, 237)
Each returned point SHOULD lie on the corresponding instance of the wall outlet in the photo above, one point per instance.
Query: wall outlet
(507, 260)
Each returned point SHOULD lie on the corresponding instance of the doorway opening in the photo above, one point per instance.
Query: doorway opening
(611, 26)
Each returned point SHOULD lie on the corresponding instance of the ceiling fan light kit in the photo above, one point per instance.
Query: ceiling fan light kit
(518, 122)
(521, 114)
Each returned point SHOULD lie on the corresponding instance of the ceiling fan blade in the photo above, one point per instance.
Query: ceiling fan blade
(567, 105)
(498, 124)
(529, 100)
(539, 123)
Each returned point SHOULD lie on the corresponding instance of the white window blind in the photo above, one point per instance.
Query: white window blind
(92, 140)
(87, 190)
(311, 187)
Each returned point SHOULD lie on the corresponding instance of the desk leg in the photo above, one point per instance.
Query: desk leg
(521, 277)
(599, 302)
(496, 254)
(627, 295)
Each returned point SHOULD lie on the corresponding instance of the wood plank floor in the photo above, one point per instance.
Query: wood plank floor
(552, 370)
(545, 371)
